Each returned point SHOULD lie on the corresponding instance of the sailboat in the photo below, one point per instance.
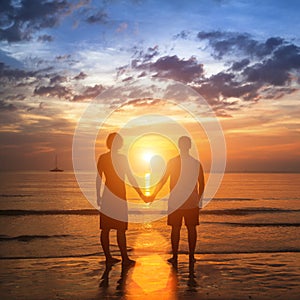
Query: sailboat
(56, 169)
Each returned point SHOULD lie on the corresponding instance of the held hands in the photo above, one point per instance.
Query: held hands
(148, 199)
(99, 201)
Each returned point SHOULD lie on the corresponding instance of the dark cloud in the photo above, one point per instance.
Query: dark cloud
(8, 74)
(45, 38)
(80, 76)
(143, 56)
(90, 93)
(215, 89)
(19, 97)
(58, 79)
(54, 91)
(239, 65)
(99, 17)
(221, 86)
(184, 34)
(174, 68)
(150, 53)
(268, 69)
(128, 78)
(21, 19)
(227, 43)
(277, 69)
(63, 57)
(44, 83)
(7, 106)
(272, 60)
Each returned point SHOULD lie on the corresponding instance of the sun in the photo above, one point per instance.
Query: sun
(147, 156)
(146, 147)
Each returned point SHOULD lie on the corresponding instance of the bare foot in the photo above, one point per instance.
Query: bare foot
(173, 260)
(112, 261)
(127, 263)
(192, 259)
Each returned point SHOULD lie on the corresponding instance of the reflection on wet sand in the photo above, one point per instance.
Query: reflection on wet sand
(152, 277)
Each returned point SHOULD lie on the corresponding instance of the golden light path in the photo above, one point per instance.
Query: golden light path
(152, 277)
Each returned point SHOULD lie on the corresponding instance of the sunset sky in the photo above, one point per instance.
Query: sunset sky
(242, 56)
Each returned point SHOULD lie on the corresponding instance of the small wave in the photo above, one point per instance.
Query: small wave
(52, 256)
(247, 211)
(28, 238)
(234, 211)
(255, 199)
(180, 252)
(14, 195)
(234, 199)
(254, 224)
(281, 198)
(20, 212)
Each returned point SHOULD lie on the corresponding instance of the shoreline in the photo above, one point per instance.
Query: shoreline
(214, 276)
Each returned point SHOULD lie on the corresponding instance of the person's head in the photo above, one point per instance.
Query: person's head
(184, 143)
(114, 141)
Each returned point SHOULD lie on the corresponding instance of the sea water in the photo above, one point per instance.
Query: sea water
(45, 215)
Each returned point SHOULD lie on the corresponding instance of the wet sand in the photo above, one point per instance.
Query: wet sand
(215, 276)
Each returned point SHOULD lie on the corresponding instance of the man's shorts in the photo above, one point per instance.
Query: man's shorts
(107, 222)
(190, 216)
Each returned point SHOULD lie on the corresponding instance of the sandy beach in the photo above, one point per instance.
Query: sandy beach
(229, 276)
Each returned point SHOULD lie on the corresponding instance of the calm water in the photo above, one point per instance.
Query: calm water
(45, 215)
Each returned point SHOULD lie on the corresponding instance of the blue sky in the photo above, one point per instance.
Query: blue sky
(242, 56)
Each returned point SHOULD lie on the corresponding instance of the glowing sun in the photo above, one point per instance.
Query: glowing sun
(147, 155)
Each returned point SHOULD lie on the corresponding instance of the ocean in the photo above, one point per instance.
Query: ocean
(44, 215)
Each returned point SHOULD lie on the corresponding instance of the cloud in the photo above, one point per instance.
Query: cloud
(145, 102)
(58, 79)
(99, 17)
(266, 62)
(21, 19)
(7, 107)
(174, 68)
(18, 84)
(141, 56)
(265, 69)
(80, 76)
(63, 57)
(224, 43)
(54, 91)
(45, 38)
(218, 88)
(277, 69)
(240, 65)
(18, 97)
(89, 93)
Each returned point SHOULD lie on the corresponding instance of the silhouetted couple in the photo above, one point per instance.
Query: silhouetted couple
(186, 189)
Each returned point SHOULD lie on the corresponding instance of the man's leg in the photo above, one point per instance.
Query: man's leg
(192, 238)
(104, 238)
(175, 236)
(121, 239)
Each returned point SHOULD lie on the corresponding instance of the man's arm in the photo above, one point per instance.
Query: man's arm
(201, 183)
(99, 183)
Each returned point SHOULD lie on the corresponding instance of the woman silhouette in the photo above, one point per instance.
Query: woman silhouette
(112, 169)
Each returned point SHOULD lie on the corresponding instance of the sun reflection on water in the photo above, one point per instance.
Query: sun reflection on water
(152, 277)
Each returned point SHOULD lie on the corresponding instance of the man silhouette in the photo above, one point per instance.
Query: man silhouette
(113, 167)
(186, 189)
